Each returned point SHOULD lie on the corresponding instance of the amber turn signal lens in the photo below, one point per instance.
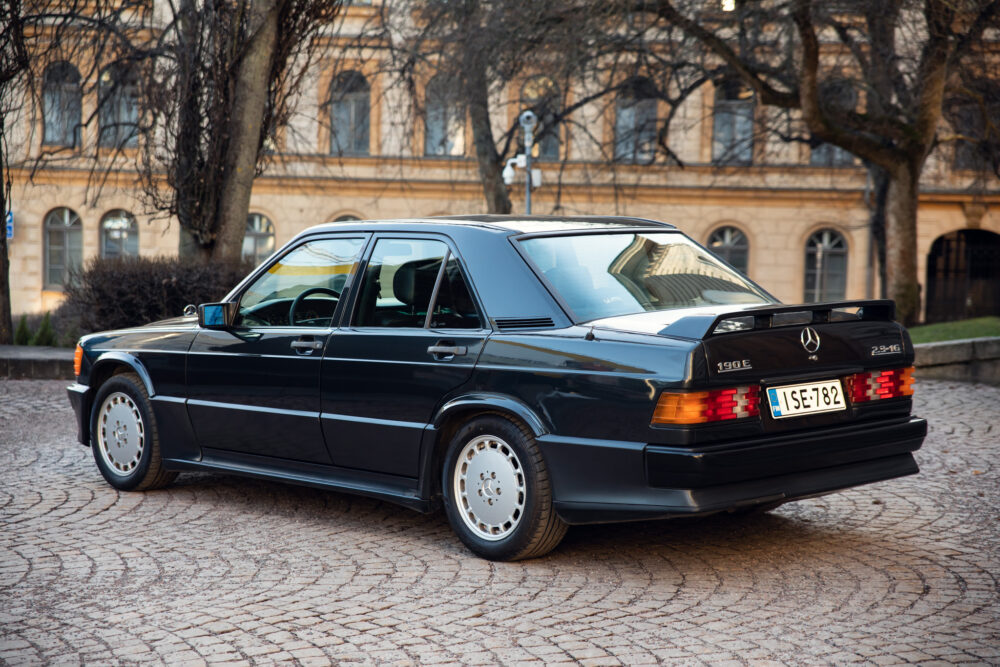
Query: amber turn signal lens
(681, 408)
(77, 360)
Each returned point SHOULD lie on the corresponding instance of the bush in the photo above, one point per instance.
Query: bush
(23, 334)
(129, 291)
(46, 335)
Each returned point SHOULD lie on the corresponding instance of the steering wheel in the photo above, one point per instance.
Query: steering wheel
(301, 297)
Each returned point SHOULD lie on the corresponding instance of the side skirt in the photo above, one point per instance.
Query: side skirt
(399, 490)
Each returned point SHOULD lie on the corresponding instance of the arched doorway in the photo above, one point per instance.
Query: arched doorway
(963, 276)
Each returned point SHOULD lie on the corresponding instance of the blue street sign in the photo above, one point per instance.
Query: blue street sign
(10, 224)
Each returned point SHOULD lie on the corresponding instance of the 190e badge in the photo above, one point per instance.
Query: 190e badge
(738, 365)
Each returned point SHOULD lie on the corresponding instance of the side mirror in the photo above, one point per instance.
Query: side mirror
(216, 315)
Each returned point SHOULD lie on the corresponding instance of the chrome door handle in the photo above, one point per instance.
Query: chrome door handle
(307, 345)
(444, 351)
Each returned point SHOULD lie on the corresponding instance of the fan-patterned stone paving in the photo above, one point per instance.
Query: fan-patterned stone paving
(220, 569)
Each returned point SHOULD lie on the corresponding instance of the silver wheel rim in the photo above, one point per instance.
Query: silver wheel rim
(489, 487)
(121, 434)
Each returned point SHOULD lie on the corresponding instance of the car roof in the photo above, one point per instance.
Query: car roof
(513, 224)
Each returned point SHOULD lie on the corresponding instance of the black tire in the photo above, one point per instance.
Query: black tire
(537, 529)
(124, 437)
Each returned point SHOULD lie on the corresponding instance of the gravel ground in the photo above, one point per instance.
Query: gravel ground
(223, 569)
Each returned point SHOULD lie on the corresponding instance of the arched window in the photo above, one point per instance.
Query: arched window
(838, 97)
(118, 113)
(119, 235)
(732, 245)
(63, 246)
(61, 107)
(346, 218)
(258, 242)
(732, 123)
(350, 109)
(444, 122)
(541, 95)
(635, 121)
(826, 266)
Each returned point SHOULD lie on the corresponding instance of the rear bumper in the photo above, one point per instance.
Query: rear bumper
(601, 481)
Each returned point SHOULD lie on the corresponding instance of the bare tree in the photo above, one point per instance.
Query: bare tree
(217, 97)
(901, 56)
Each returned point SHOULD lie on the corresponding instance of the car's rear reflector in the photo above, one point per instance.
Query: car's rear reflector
(701, 407)
(877, 385)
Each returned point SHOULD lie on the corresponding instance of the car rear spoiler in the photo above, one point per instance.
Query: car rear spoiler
(700, 327)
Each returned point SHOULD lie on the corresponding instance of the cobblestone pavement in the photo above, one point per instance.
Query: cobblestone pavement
(221, 569)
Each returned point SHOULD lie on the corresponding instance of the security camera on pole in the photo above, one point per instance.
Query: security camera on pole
(532, 177)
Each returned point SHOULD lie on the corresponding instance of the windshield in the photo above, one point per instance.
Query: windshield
(603, 275)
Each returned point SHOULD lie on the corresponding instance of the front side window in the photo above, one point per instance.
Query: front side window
(444, 122)
(349, 115)
(118, 113)
(604, 275)
(635, 122)
(61, 105)
(732, 245)
(404, 282)
(826, 267)
(119, 235)
(303, 287)
(732, 124)
(63, 246)
(258, 241)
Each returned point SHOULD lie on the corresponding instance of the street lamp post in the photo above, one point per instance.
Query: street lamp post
(528, 121)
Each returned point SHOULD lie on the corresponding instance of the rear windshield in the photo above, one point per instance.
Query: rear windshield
(603, 275)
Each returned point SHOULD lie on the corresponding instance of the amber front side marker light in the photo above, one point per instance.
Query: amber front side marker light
(77, 360)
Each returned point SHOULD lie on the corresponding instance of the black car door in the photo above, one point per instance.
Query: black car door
(414, 336)
(254, 388)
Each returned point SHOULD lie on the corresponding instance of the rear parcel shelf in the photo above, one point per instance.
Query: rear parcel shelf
(701, 327)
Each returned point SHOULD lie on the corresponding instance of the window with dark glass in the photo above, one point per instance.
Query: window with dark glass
(258, 242)
(302, 288)
(444, 120)
(826, 267)
(732, 245)
(118, 110)
(119, 235)
(541, 95)
(350, 108)
(63, 246)
(61, 105)
(732, 123)
(405, 286)
(635, 121)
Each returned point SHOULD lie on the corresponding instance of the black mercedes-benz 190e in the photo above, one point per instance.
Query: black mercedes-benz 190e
(527, 373)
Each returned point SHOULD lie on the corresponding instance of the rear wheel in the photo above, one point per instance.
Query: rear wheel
(497, 491)
(124, 438)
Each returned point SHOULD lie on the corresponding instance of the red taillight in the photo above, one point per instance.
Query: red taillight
(876, 385)
(701, 407)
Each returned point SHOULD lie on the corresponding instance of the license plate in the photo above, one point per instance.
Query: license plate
(810, 398)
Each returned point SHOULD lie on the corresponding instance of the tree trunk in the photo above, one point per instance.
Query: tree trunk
(876, 219)
(249, 105)
(901, 242)
(490, 171)
(6, 323)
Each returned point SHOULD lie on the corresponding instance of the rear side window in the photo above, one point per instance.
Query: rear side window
(404, 281)
(603, 275)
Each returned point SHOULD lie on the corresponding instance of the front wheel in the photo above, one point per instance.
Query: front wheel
(124, 438)
(497, 492)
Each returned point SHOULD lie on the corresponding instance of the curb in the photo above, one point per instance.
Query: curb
(36, 363)
(968, 360)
